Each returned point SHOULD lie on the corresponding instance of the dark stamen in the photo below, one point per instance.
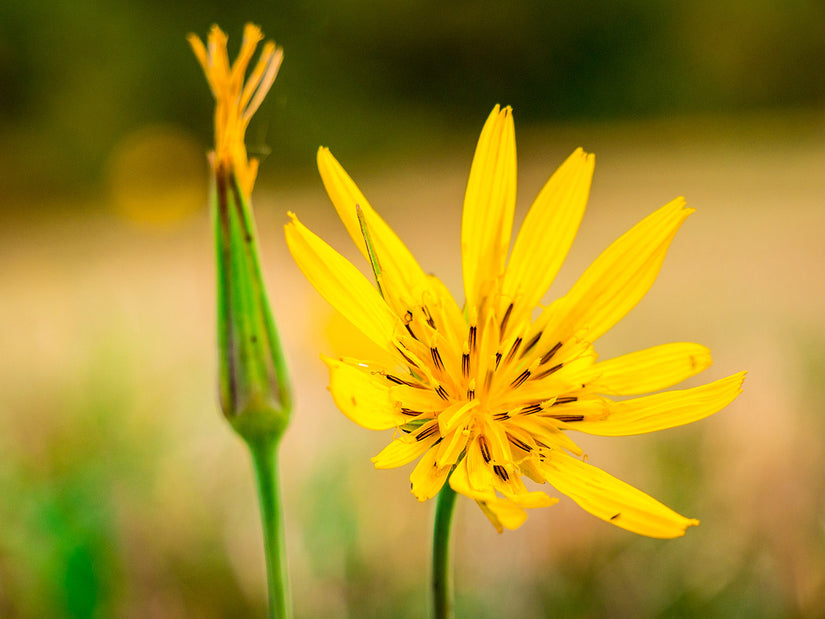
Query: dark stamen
(471, 393)
(552, 370)
(473, 330)
(409, 412)
(502, 416)
(428, 432)
(406, 357)
(398, 381)
(437, 358)
(550, 353)
(485, 449)
(518, 443)
(506, 318)
(565, 400)
(614, 516)
(465, 364)
(568, 417)
(533, 408)
(501, 472)
(428, 316)
(533, 341)
(514, 349)
(520, 379)
(498, 359)
(488, 380)
(442, 393)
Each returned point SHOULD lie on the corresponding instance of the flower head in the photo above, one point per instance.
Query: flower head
(237, 97)
(487, 395)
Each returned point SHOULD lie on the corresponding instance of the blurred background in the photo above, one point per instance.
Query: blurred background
(122, 491)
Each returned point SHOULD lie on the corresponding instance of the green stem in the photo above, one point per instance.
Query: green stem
(265, 461)
(442, 567)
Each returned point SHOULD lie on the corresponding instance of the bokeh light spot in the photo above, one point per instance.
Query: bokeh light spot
(157, 176)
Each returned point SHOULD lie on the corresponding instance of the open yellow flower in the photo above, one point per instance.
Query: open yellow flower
(487, 395)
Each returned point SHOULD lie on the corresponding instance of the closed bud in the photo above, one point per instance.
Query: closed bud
(254, 392)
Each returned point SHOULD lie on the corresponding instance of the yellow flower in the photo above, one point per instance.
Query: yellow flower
(236, 100)
(487, 395)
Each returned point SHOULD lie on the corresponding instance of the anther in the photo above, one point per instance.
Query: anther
(501, 472)
(502, 416)
(398, 381)
(427, 433)
(520, 444)
(406, 357)
(552, 370)
(408, 318)
(565, 400)
(550, 353)
(473, 330)
(442, 393)
(437, 358)
(409, 412)
(498, 359)
(485, 449)
(520, 379)
(514, 349)
(532, 408)
(427, 316)
(568, 417)
(533, 341)
(506, 318)
(465, 364)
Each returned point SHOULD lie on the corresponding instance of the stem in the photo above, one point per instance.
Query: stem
(442, 567)
(265, 461)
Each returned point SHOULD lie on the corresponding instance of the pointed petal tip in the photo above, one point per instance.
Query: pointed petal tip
(688, 522)
(322, 154)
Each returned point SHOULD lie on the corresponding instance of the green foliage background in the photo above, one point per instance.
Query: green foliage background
(367, 75)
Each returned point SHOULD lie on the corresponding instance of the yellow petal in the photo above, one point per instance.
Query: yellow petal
(547, 233)
(648, 370)
(363, 397)
(345, 196)
(460, 481)
(613, 500)
(451, 448)
(428, 477)
(503, 514)
(619, 278)
(403, 280)
(454, 415)
(341, 284)
(664, 410)
(488, 206)
(401, 451)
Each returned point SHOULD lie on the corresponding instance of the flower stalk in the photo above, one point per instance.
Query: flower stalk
(442, 570)
(253, 383)
(265, 462)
